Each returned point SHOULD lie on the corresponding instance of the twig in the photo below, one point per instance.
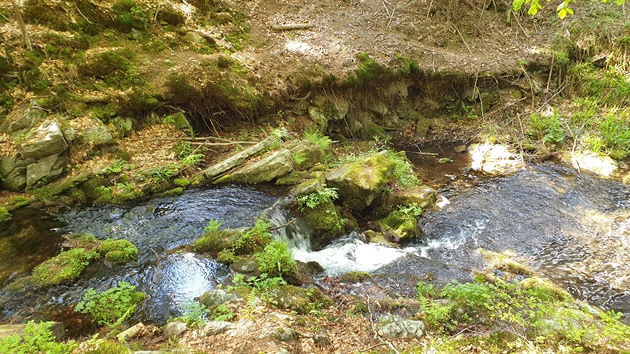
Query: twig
(391, 17)
(82, 15)
(283, 225)
(376, 336)
(462, 37)
(550, 72)
(519, 24)
(423, 153)
(293, 26)
(429, 10)
(531, 84)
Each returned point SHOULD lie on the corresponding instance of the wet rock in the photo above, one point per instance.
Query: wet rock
(377, 237)
(399, 225)
(360, 182)
(13, 172)
(174, 329)
(270, 167)
(245, 265)
(395, 327)
(215, 327)
(216, 297)
(131, 332)
(307, 187)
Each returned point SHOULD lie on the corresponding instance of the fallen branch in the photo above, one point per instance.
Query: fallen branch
(205, 139)
(283, 225)
(293, 26)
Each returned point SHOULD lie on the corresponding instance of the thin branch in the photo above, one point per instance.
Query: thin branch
(292, 26)
(462, 37)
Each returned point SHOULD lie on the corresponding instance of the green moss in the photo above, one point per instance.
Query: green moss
(544, 289)
(85, 241)
(369, 71)
(300, 300)
(325, 221)
(354, 277)
(21, 201)
(5, 215)
(104, 346)
(115, 67)
(182, 182)
(401, 224)
(63, 268)
(118, 251)
(216, 241)
(129, 15)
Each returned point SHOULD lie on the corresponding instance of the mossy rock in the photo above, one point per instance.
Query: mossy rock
(378, 238)
(300, 300)
(307, 154)
(86, 241)
(214, 242)
(399, 226)
(118, 251)
(422, 196)
(545, 289)
(63, 268)
(354, 277)
(360, 183)
(325, 221)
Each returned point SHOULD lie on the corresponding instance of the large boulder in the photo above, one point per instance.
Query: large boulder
(46, 140)
(324, 220)
(422, 196)
(359, 183)
(273, 165)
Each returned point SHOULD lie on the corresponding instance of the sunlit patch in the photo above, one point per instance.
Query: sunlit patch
(601, 165)
(297, 46)
(494, 159)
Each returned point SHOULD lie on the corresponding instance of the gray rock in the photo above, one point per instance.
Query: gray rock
(123, 125)
(274, 165)
(181, 122)
(245, 266)
(174, 329)
(13, 171)
(283, 351)
(98, 136)
(44, 141)
(217, 297)
(131, 332)
(378, 107)
(396, 327)
(45, 170)
(286, 334)
(215, 327)
(22, 118)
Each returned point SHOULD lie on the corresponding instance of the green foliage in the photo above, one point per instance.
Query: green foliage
(254, 239)
(260, 283)
(18, 202)
(550, 127)
(411, 210)
(615, 131)
(118, 251)
(221, 313)
(194, 314)
(368, 71)
(319, 197)
(317, 138)
(112, 65)
(213, 225)
(63, 268)
(299, 158)
(35, 338)
(424, 289)
(164, 173)
(129, 15)
(276, 259)
(113, 306)
(403, 170)
(562, 10)
(610, 86)
(226, 256)
(5, 215)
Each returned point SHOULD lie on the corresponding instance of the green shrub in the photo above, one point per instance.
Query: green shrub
(317, 138)
(314, 199)
(194, 314)
(276, 259)
(549, 126)
(255, 239)
(118, 251)
(368, 71)
(111, 307)
(35, 338)
(63, 268)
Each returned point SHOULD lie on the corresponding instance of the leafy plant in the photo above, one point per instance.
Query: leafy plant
(276, 259)
(317, 138)
(194, 314)
(221, 313)
(412, 209)
(550, 126)
(213, 225)
(403, 170)
(261, 282)
(254, 239)
(314, 199)
(113, 306)
(5, 215)
(35, 338)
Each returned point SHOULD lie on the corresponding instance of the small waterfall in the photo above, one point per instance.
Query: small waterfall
(346, 254)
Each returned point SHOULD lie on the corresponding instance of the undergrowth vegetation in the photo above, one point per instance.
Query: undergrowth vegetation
(111, 307)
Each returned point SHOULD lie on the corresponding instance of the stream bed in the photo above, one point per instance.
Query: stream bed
(573, 228)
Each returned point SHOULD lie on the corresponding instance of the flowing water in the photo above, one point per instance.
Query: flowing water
(573, 228)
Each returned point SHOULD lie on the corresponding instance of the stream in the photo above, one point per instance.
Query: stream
(571, 227)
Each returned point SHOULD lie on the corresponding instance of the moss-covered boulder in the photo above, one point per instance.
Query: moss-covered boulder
(307, 154)
(399, 225)
(377, 237)
(118, 251)
(325, 221)
(300, 300)
(63, 268)
(215, 241)
(360, 183)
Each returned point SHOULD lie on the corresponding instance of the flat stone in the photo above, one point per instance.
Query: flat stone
(274, 165)
(174, 329)
(216, 327)
(131, 332)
